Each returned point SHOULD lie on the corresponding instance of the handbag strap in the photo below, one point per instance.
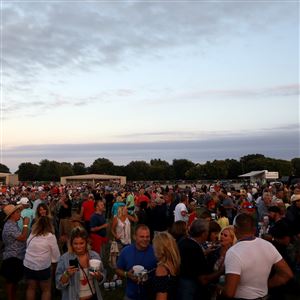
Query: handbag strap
(86, 278)
(30, 241)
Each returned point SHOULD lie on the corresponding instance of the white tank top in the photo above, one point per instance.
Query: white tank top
(84, 289)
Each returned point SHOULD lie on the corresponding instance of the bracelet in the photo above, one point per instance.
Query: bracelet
(66, 273)
(125, 274)
(25, 226)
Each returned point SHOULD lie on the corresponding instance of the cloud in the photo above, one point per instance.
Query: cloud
(245, 93)
(39, 36)
(282, 142)
(46, 41)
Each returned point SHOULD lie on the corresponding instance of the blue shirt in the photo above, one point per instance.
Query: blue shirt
(12, 247)
(98, 220)
(131, 256)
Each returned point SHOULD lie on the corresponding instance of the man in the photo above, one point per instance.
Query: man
(98, 226)
(181, 212)
(130, 202)
(140, 253)
(26, 212)
(109, 198)
(194, 269)
(249, 262)
(263, 204)
(87, 210)
(293, 213)
(37, 198)
(142, 197)
(14, 249)
(229, 206)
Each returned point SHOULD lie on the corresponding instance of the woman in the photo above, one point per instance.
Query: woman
(14, 241)
(212, 239)
(72, 275)
(179, 231)
(119, 202)
(227, 239)
(120, 228)
(168, 257)
(223, 221)
(216, 258)
(41, 210)
(42, 250)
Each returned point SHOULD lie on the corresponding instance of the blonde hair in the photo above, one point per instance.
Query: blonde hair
(120, 212)
(166, 252)
(231, 231)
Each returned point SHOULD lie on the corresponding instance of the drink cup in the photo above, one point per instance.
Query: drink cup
(112, 285)
(106, 285)
(95, 265)
(137, 270)
(119, 282)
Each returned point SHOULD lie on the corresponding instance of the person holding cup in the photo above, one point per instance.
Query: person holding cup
(137, 262)
(78, 274)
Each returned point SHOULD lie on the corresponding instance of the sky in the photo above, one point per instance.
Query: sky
(138, 80)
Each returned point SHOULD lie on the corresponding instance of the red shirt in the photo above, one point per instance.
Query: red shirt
(88, 209)
(142, 198)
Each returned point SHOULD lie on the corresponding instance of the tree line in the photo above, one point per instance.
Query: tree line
(157, 169)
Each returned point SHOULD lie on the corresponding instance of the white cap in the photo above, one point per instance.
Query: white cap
(23, 201)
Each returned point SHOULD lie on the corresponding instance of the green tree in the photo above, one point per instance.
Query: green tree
(159, 169)
(296, 166)
(137, 170)
(49, 171)
(196, 172)
(102, 166)
(79, 168)
(4, 169)
(120, 170)
(216, 170)
(27, 171)
(247, 162)
(234, 168)
(66, 169)
(181, 166)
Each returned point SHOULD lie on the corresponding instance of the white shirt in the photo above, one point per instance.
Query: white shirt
(180, 207)
(252, 260)
(41, 251)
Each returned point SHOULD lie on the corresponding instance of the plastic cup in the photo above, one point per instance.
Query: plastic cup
(137, 270)
(95, 265)
(119, 282)
(106, 285)
(112, 285)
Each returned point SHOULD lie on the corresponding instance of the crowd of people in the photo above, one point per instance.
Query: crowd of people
(165, 242)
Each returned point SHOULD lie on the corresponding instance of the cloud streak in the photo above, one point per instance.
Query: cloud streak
(282, 142)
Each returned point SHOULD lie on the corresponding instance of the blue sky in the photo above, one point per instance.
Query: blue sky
(128, 81)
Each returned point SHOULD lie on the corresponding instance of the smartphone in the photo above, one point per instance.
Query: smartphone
(73, 262)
